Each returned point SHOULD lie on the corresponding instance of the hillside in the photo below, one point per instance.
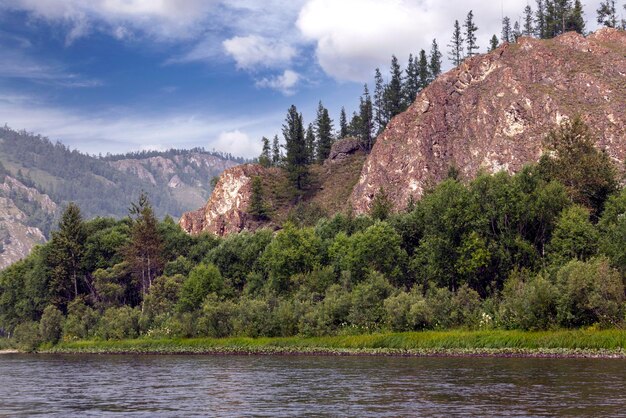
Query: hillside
(40, 177)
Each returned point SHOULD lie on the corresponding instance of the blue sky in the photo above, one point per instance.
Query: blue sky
(120, 75)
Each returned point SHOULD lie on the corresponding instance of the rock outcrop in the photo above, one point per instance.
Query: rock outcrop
(493, 112)
(343, 149)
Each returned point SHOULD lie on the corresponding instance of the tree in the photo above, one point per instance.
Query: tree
(276, 157)
(144, 251)
(576, 20)
(411, 81)
(434, 64)
(203, 280)
(66, 254)
(540, 20)
(295, 145)
(456, 45)
(257, 205)
(394, 103)
(470, 34)
(574, 237)
(381, 206)
(607, 14)
(529, 28)
(324, 131)
(380, 112)
(516, 32)
(265, 158)
(423, 71)
(366, 119)
(507, 35)
(311, 145)
(493, 43)
(343, 123)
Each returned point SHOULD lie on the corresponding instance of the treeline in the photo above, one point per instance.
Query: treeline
(140, 155)
(540, 249)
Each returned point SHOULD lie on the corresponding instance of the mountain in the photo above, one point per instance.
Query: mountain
(40, 177)
(490, 114)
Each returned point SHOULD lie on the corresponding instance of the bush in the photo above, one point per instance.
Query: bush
(118, 324)
(216, 318)
(27, 336)
(367, 311)
(528, 305)
(80, 322)
(591, 292)
(407, 311)
(50, 324)
(203, 279)
(253, 318)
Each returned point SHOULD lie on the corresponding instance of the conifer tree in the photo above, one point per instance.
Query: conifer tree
(324, 131)
(380, 111)
(576, 19)
(422, 71)
(310, 144)
(265, 159)
(493, 43)
(529, 29)
(540, 20)
(607, 14)
(354, 127)
(366, 120)
(517, 32)
(507, 35)
(296, 150)
(394, 103)
(276, 157)
(456, 45)
(257, 204)
(434, 65)
(343, 123)
(470, 34)
(411, 82)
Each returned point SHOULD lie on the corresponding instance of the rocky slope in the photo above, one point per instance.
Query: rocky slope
(493, 112)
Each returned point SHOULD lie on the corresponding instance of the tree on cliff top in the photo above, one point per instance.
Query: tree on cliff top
(295, 144)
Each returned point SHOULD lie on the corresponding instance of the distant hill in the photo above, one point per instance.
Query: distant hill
(39, 177)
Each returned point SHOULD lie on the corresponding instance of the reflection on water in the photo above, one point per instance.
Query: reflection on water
(287, 386)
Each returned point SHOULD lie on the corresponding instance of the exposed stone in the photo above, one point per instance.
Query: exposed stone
(343, 149)
(493, 112)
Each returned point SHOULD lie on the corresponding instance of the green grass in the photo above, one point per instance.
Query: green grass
(578, 343)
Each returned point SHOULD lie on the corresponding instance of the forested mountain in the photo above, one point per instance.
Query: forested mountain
(40, 177)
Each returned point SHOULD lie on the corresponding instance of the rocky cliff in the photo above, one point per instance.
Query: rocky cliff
(493, 112)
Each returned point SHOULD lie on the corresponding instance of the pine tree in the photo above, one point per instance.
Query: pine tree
(456, 45)
(411, 82)
(507, 35)
(295, 145)
(380, 112)
(144, 250)
(607, 14)
(493, 43)
(65, 256)
(366, 120)
(265, 158)
(528, 21)
(470, 34)
(394, 103)
(257, 204)
(434, 65)
(310, 144)
(576, 19)
(540, 20)
(422, 71)
(276, 157)
(354, 127)
(517, 32)
(324, 131)
(343, 124)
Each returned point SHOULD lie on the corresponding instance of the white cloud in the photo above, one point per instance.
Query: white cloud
(285, 83)
(253, 51)
(237, 143)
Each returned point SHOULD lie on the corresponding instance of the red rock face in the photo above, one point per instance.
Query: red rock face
(225, 212)
(494, 111)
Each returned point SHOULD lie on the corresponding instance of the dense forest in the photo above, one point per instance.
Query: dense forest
(540, 249)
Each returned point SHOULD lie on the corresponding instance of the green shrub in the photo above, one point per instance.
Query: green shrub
(407, 311)
(119, 323)
(80, 322)
(216, 317)
(253, 318)
(367, 310)
(203, 279)
(530, 304)
(27, 336)
(50, 324)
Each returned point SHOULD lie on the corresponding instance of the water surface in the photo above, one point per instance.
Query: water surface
(66, 385)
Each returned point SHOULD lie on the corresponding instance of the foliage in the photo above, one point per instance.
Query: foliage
(202, 280)
(50, 324)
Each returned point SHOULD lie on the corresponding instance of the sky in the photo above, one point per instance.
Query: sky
(124, 75)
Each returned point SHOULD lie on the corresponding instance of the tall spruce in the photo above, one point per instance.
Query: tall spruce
(517, 32)
(576, 18)
(343, 123)
(529, 28)
(434, 64)
(507, 34)
(265, 159)
(380, 111)
(257, 208)
(311, 143)
(607, 14)
(411, 81)
(470, 34)
(493, 43)
(324, 131)
(144, 250)
(276, 157)
(366, 120)
(394, 102)
(456, 45)
(423, 71)
(540, 20)
(296, 150)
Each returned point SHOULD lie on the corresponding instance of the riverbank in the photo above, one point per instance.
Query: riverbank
(565, 343)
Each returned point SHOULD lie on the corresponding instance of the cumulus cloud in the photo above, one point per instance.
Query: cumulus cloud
(285, 82)
(237, 143)
(253, 51)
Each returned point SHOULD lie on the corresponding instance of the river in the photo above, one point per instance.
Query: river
(185, 386)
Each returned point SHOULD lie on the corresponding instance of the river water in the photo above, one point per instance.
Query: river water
(185, 386)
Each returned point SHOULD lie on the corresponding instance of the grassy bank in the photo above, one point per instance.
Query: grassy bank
(566, 343)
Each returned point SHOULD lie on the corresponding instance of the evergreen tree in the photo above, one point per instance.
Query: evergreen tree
(380, 112)
(493, 43)
(607, 14)
(517, 32)
(366, 120)
(65, 256)
(310, 144)
(257, 205)
(434, 65)
(540, 20)
(265, 159)
(343, 124)
(394, 103)
(528, 21)
(576, 20)
(144, 251)
(276, 157)
(470, 34)
(354, 127)
(411, 83)
(422, 71)
(295, 145)
(456, 45)
(324, 131)
(507, 35)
